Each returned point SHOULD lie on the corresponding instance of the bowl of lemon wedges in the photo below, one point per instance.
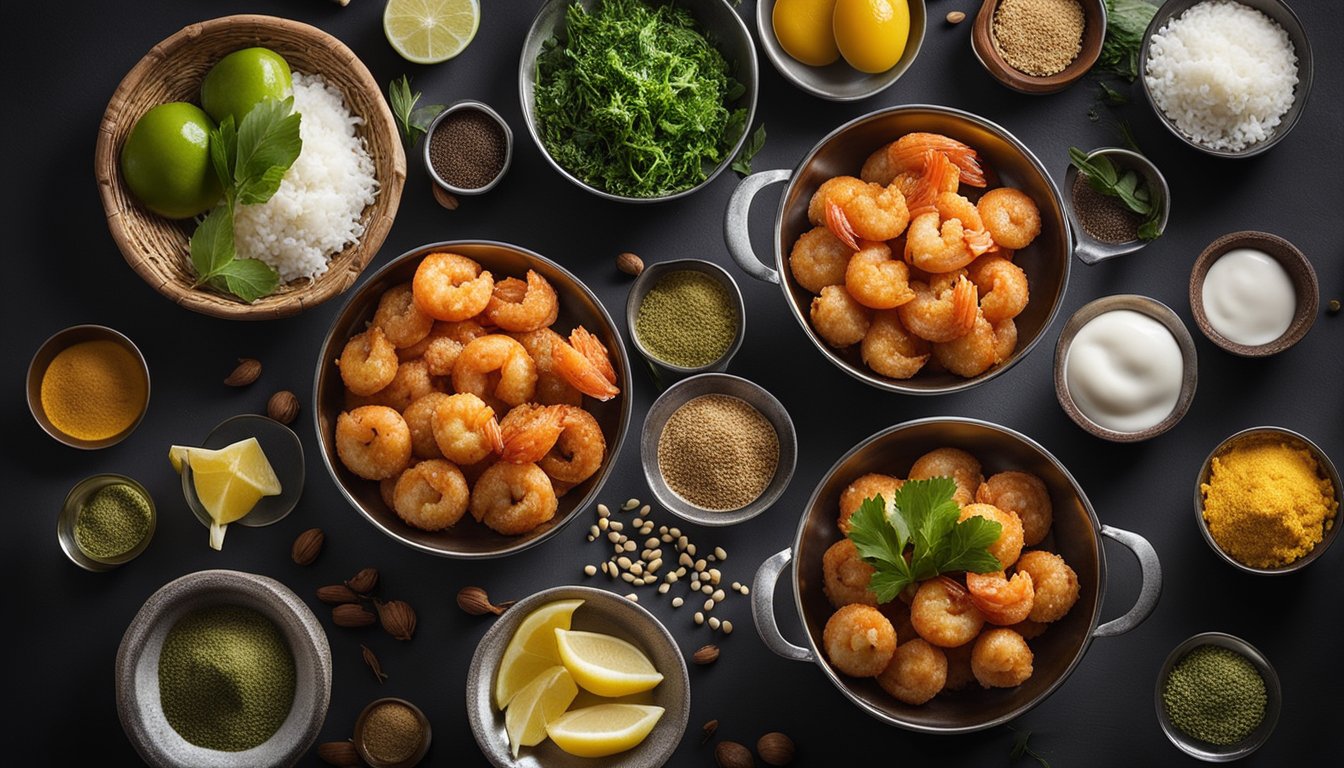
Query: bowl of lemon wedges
(841, 50)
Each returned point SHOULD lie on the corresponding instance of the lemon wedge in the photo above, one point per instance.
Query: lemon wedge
(605, 665)
(605, 729)
(228, 482)
(430, 31)
(532, 649)
(537, 704)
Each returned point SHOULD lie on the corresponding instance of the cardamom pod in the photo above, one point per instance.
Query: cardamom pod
(307, 546)
(336, 594)
(475, 601)
(350, 616)
(398, 618)
(372, 661)
(364, 581)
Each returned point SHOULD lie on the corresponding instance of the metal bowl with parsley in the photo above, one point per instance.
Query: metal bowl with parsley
(638, 100)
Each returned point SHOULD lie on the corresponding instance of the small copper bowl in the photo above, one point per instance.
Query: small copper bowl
(59, 342)
(1288, 256)
(362, 721)
(987, 51)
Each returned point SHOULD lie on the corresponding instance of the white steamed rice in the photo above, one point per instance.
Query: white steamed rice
(1224, 73)
(316, 211)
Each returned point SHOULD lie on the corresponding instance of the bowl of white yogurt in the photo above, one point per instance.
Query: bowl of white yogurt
(1125, 368)
(1253, 293)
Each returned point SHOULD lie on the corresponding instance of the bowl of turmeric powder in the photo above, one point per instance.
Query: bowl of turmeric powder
(88, 386)
(1267, 500)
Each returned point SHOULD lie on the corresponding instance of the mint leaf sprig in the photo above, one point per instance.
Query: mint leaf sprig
(250, 160)
(412, 121)
(742, 163)
(1128, 187)
(922, 515)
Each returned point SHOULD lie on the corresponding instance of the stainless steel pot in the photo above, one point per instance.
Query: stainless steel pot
(842, 152)
(1077, 537)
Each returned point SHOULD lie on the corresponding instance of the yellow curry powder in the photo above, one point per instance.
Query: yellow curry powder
(1267, 503)
(94, 390)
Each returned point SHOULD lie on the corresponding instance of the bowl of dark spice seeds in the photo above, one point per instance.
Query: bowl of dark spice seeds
(1118, 202)
(468, 149)
(686, 316)
(1217, 697)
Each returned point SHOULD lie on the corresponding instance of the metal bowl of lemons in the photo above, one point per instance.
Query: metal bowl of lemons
(841, 50)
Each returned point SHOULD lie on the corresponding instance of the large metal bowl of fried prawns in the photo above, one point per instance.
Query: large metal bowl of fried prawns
(949, 574)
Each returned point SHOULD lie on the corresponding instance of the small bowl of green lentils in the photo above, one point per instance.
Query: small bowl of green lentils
(686, 316)
(1218, 698)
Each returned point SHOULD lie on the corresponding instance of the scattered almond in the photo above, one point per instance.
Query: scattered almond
(955, 17)
(336, 594)
(341, 753)
(307, 546)
(709, 729)
(445, 198)
(283, 406)
(364, 581)
(775, 748)
(349, 615)
(630, 264)
(707, 654)
(248, 371)
(397, 617)
(730, 754)
(476, 602)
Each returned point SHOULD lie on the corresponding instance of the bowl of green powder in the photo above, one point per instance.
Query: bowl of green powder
(1217, 697)
(107, 520)
(220, 669)
(686, 316)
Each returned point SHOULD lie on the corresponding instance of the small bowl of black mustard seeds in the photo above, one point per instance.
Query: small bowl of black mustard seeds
(468, 148)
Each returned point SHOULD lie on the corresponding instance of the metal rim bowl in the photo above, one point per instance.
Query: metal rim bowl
(468, 540)
(1280, 13)
(1151, 308)
(284, 452)
(601, 612)
(837, 81)
(59, 342)
(1203, 750)
(363, 749)
(65, 523)
(721, 26)
(1293, 261)
(986, 49)
(1277, 434)
(1046, 261)
(1076, 534)
(717, 384)
(649, 278)
(137, 670)
(462, 106)
(1091, 250)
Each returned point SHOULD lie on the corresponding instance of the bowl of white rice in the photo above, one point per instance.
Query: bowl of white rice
(1228, 77)
(335, 204)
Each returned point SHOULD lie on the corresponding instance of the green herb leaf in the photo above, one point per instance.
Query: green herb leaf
(1126, 21)
(412, 121)
(423, 115)
(249, 279)
(1111, 96)
(742, 164)
(1021, 748)
(1149, 229)
(1129, 188)
(268, 144)
(223, 153)
(966, 547)
(212, 243)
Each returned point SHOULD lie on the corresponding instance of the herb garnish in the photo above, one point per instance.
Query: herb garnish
(1126, 21)
(633, 100)
(1128, 187)
(1020, 748)
(413, 121)
(742, 163)
(922, 513)
(250, 161)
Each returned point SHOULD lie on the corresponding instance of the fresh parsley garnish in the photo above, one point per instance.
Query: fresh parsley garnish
(412, 121)
(1126, 21)
(742, 163)
(250, 160)
(922, 514)
(1128, 187)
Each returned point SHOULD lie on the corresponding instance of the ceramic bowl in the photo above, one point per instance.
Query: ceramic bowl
(1292, 260)
(717, 384)
(468, 539)
(1146, 306)
(361, 745)
(1271, 434)
(837, 81)
(285, 454)
(1203, 750)
(137, 670)
(601, 612)
(721, 25)
(53, 346)
(1274, 9)
(468, 105)
(987, 51)
(1090, 250)
(65, 524)
(650, 277)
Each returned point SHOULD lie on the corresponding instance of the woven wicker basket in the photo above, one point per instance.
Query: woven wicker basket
(155, 247)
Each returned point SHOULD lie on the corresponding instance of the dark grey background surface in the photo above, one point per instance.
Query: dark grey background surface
(62, 63)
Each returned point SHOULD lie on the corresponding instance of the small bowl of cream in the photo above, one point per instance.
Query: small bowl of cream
(1253, 294)
(1125, 368)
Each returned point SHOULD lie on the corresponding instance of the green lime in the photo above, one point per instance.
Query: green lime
(166, 161)
(244, 79)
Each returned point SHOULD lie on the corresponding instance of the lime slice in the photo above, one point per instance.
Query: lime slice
(430, 31)
(532, 649)
(605, 665)
(605, 729)
(228, 482)
(537, 704)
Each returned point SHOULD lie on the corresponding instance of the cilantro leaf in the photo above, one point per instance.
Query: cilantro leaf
(212, 243)
(965, 548)
(881, 545)
(742, 163)
(249, 279)
(268, 144)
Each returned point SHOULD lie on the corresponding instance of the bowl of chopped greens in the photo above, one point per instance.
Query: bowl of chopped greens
(638, 101)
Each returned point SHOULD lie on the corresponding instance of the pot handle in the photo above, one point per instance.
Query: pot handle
(763, 605)
(1149, 591)
(736, 232)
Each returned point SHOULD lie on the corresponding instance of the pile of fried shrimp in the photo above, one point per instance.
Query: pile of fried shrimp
(944, 633)
(460, 396)
(904, 264)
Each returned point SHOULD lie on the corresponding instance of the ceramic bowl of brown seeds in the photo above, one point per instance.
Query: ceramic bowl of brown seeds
(468, 148)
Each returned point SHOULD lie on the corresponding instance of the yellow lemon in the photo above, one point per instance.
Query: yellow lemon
(606, 665)
(228, 482)
(871, 34)
(539, 702)
(605, 729)
(803, 29)
(532, 650)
